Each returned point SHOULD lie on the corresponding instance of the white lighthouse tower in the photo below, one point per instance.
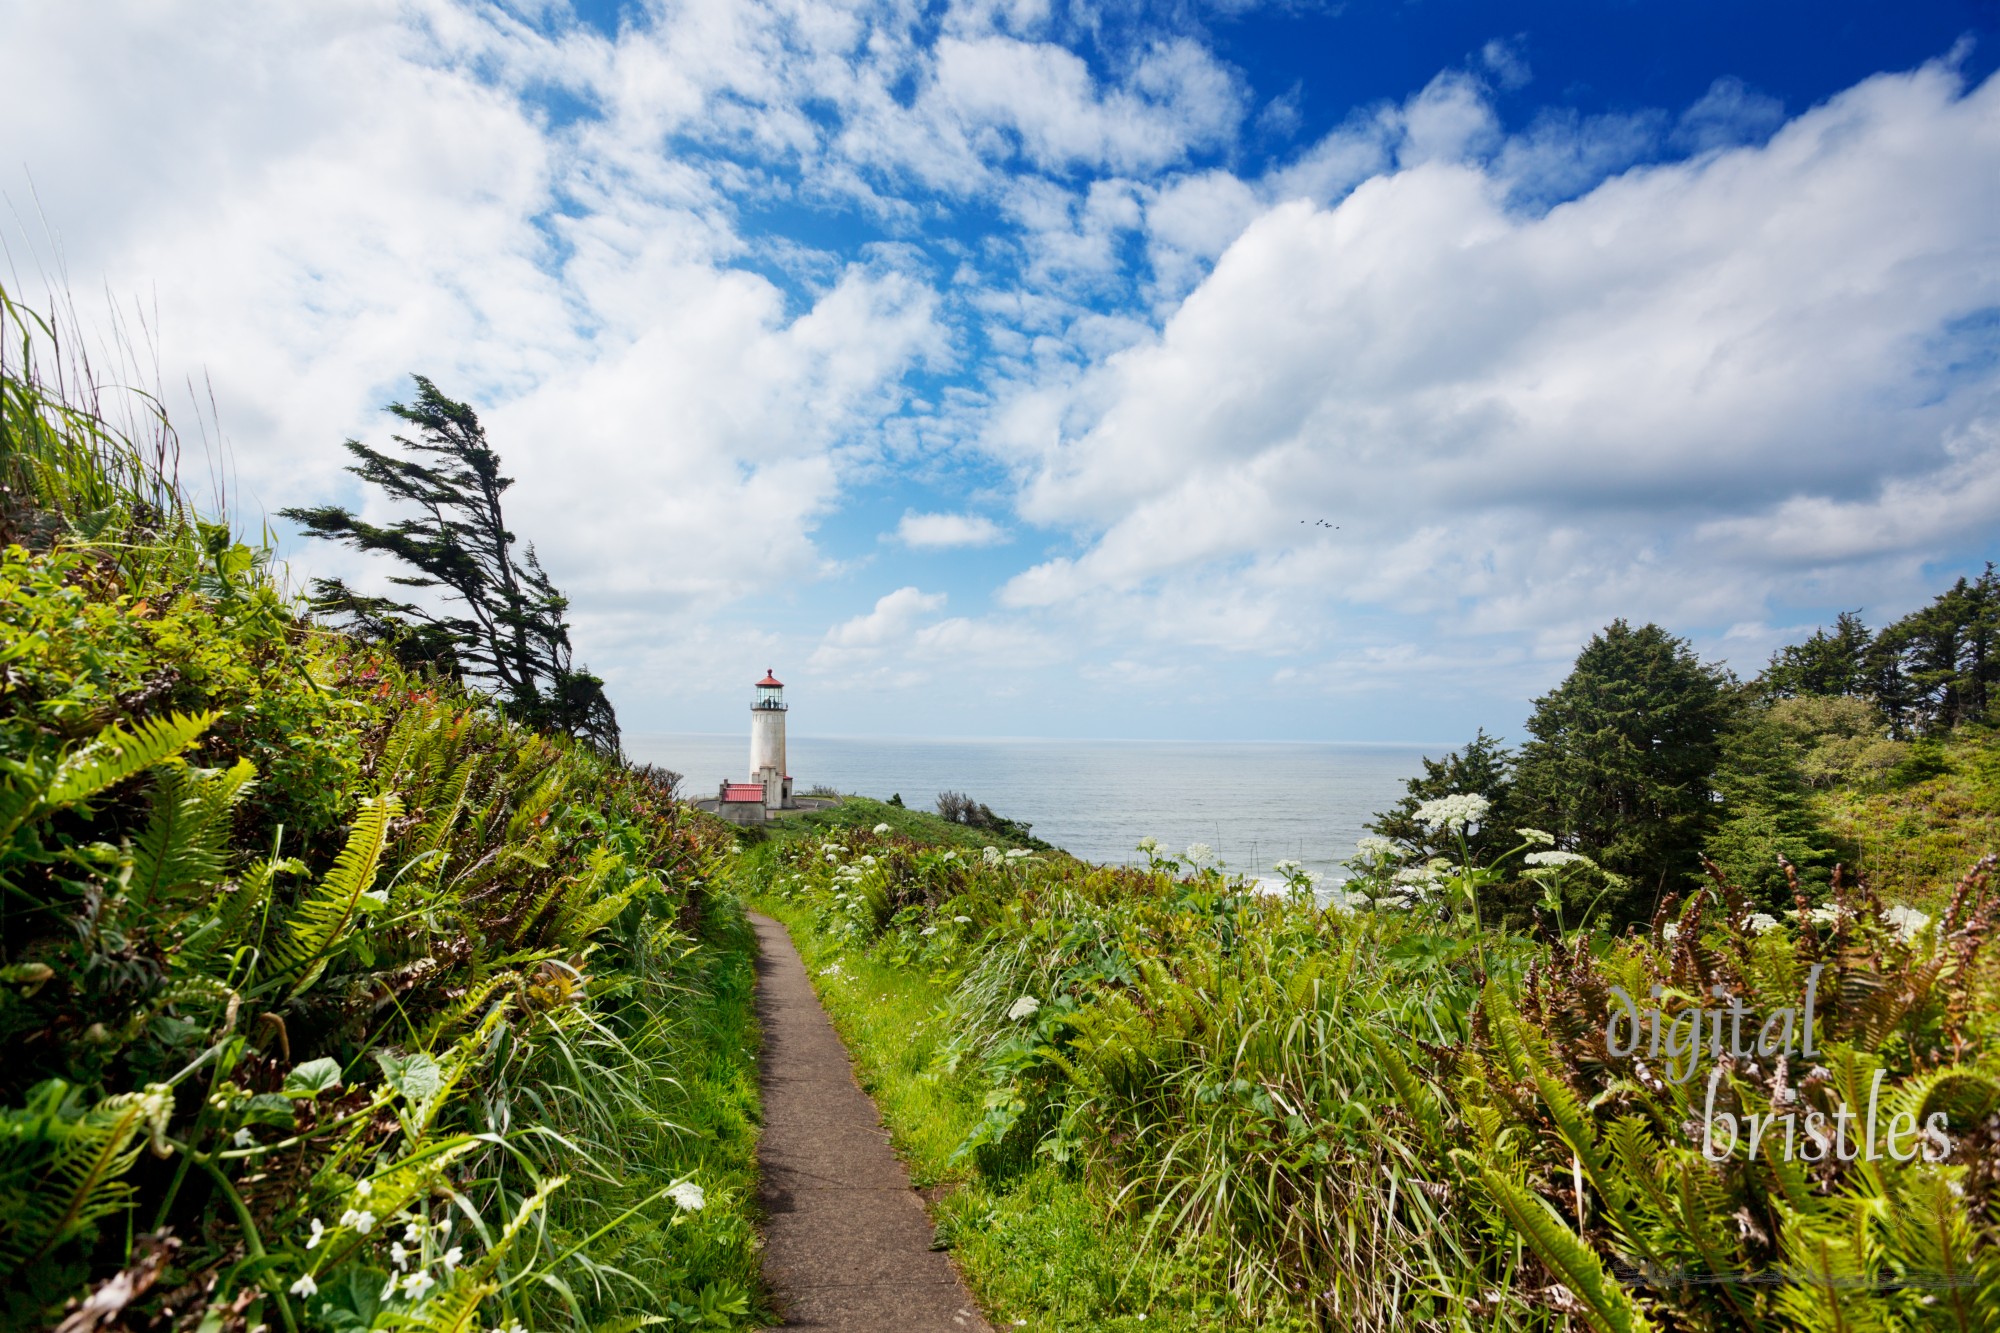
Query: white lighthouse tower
(767, 743)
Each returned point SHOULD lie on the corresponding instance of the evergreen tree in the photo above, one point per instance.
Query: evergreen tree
(1767, 813)
(1484, 767)
(1939, 667)
(1623, 758)
(1835, 663)
(507, 631)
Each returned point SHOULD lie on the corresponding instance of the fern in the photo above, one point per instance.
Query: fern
(1606, 1306)
(117, 754)
(83, 1178)
(329, 913)
(186, 840)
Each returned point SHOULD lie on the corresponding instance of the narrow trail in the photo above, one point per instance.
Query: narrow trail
(847, 1243)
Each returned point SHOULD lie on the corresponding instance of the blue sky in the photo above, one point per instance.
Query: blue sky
(1138, 370)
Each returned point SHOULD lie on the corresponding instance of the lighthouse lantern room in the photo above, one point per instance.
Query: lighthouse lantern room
(767, 743)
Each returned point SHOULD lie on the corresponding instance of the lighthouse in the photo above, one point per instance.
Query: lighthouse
(767, 743)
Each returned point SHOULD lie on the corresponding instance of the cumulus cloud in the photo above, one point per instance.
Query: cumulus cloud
(1639, 401)
(938, 531)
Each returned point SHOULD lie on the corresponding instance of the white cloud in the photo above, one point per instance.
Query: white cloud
(936, 531)
(1634, 403)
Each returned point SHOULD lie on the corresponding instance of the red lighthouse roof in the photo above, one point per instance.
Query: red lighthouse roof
(770, 680)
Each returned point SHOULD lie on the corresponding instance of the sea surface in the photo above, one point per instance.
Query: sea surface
(1252, 802)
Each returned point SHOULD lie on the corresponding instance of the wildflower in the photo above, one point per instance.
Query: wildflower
(399, 1256)
(880, 829)
(1287, 867)
(305, 1286)
(1907, 922)
(687, 1196)
(1760, 922)
(1016, 853)
(1149, 845)
(1670, 931)
(413, 1233)
(318, 1234)
(1374, 847)
(1199, 854)
(1823, 916)
(1025, 1007)
(452, 1258)
(242, 1138)
(362, 1189)
(361, 1220)
(417, 1283)
(928, 930)
(388, 1289)
(962, 920)
(1450, 812)
(868, 860)
(444, 1225)
(1536, 835)
(1557, 859)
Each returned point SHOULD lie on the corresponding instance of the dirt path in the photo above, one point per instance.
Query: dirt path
(847, 1244)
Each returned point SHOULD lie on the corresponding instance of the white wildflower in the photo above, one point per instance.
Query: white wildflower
(399, 1256)
(360, 1219)
(962, 920)
(452, 1258)
(1025, 1007)
(1670, 931)
(880, 829)
(1907, 922)
(1824, 916)
(1016, 853)
(305, 1286)
(388, 1289)
(1198, 854)
(1557, 859)
(1450, 812)
(1287, 867)
(417, 1283)
(1374, 847)
(444, 1225)
(1760, 922)
(928, 930)
(318, 1234)
(242, 1138)
(1537, 836)
(687, 1196)
(362, 1189)
(1148, 845)
(991, 855)
(951, 856)
(413, 1233)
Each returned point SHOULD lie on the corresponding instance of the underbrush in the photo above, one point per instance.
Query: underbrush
(1912, 830)
(332, 999)
(1216, 1105)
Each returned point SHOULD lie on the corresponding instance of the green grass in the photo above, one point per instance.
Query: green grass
(863, 812)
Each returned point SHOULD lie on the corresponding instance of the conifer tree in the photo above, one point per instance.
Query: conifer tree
(506, 630)
(1623, 758)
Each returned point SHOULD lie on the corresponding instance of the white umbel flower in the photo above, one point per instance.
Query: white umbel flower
(1452, 812)
(880, 829)
(1025, 1007)
(1198, 854)
(1557, 859)
(1907, 922)
(687, 1196)
(1760, 922)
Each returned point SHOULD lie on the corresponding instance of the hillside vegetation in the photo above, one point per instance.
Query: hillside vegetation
(333, 999)
(1157, 1097)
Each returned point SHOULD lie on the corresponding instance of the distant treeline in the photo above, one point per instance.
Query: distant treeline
(1648, 759)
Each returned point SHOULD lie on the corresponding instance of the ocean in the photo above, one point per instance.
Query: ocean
(1252, 802)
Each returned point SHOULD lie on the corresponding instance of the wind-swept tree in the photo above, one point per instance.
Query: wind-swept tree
(503, 627)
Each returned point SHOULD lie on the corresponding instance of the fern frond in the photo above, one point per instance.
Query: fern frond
(1608, 1307)
(186, 839)
(320, 923)
(117, 754)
